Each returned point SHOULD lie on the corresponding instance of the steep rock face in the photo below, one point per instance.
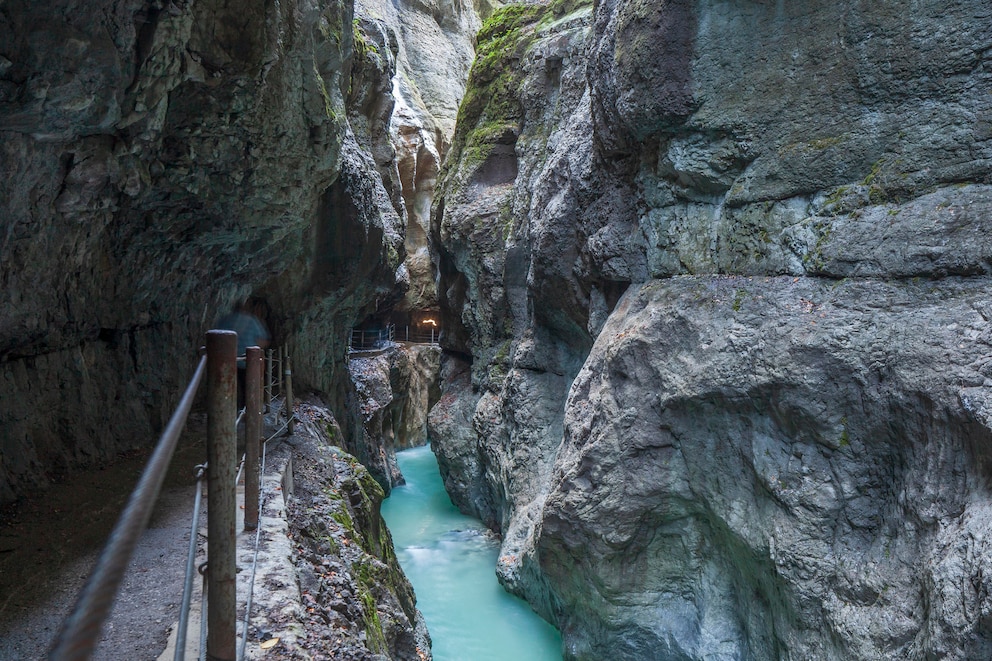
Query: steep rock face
(518, 187)
(160, 164)
(414, 377)
(752, 126)
(396, 388)
(433, 44)
(772, 468)
(456, 446)
(356, 601)
(427, 48)
(352, 598)
(670, 143)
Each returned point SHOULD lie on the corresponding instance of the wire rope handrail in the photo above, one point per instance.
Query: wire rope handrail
(80, 631)
(201, 473)
(254, 565)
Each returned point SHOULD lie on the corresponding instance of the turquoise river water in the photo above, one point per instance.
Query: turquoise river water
(451, 559)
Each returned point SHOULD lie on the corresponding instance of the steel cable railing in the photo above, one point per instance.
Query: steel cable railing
(184, 611)
(81, 630)
(251, 427)
(254, 565)
(180, 654)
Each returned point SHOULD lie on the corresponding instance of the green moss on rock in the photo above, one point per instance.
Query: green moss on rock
(490, 109)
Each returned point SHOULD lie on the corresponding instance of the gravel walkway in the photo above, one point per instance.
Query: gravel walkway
(50, 542)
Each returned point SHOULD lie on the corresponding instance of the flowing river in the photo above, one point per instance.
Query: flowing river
(450, 559)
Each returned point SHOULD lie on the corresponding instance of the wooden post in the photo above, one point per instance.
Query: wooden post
(288, 374)
(253, 433)
(222, 349)
(268, 380)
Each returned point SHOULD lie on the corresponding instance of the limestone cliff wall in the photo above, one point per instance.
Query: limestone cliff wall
(432, 44)
(161, 161)
(395, 388)
(715, 279)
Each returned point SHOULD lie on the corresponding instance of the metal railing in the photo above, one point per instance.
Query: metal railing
(431, 335)
(81, 630)
(371, 340)
(275, 380)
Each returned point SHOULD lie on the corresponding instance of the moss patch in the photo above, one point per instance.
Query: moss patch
(812, 147)
(739, 297)
(499, 366)
(845, 437)
(490, 111)
(363, 46)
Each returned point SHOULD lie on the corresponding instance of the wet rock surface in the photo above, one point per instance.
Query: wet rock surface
(658, 149)
(517, 190)
(430, 47)
(356, 603)
(395, 387)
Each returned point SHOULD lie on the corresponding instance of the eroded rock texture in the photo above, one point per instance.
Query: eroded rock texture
(432, 44)
(779, 468)
(775, 444)
(355, 601)
(428, 48)
(396, 388)
(159, 163)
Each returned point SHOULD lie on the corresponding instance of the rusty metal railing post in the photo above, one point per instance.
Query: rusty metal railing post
(253, 433)
(289, 394)
(268, 380)
(222, 349)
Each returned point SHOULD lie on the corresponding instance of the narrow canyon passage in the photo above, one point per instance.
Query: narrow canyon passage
(699, 298)
(449, 559)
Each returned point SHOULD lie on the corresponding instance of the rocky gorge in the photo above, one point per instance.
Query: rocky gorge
(164, 162)
(714, 279)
